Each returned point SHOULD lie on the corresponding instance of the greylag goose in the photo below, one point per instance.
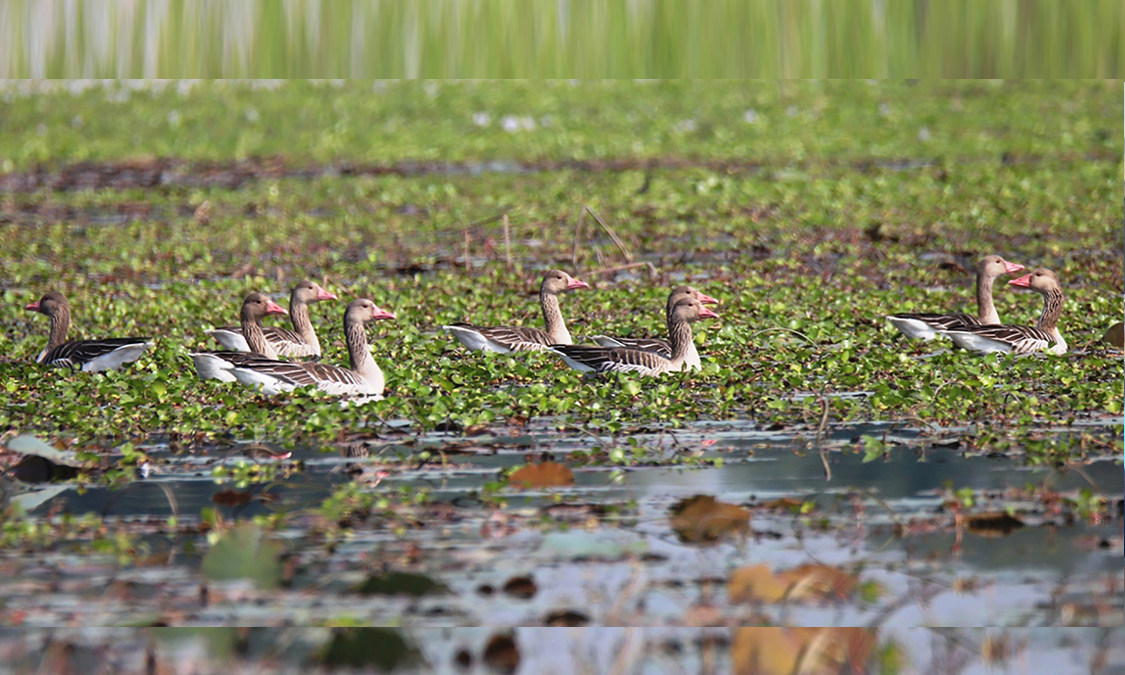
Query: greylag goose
(623, 360)
(89, 355)
(364, 378)
(297, 343)
(217, 365)
(1021, 339)
(925, 326)
(505, 339)
(660, 345)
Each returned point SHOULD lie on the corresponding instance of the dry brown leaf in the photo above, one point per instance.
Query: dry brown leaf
(993, 524)
(782, 651)
(758, 583)
(783, 504)
(703, 519)
(546, 474)
(816, 582)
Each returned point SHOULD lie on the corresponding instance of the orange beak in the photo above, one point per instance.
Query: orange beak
(1012, 268)
(707, 299)
(705, 313)
(33, 306)
(1022, 282)
(274, 308)
(572, 283)
(322, 294)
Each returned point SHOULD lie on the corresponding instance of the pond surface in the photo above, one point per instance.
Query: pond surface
(603, 550)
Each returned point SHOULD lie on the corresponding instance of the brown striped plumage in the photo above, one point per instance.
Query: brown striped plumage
(89, 355)
(622, 360)
(363, 379)
(216, 365)
(926, 326)
(659, 345)
(505, 339)
(1044, 336)
(299, 342)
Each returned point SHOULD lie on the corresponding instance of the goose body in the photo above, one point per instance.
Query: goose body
(301, 342)
(364, 378)
(603, 359)
(89, 355)
(659, 345)
(506, 339)
(218, 365)
(1044, 336)
(927, 326)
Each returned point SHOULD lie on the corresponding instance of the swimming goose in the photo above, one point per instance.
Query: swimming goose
(624, 360)
(89, 355)
(660, 345)
(364, 378)
(1021, 339)
(926, 326)
(299, 342)
(217, 365)
(505, 339)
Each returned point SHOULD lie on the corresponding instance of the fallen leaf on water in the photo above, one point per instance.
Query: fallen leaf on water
(400, 583)
(546, 474)
(384, 648)
(568, 618)
(813, 651)
(703, 519)
(992, 525)
(521, 587)
(231, 498)
(758, 583)
(783, 504)
(501, 653)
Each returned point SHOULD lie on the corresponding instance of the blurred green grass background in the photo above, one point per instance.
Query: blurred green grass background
(563, 38)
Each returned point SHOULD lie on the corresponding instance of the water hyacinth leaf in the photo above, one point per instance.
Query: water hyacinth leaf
(703, 519)
(401, 583)
(244, 552)
(545, 474)
(781, 651)
(381, 648)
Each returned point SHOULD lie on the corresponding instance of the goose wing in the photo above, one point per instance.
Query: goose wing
(611, 359)
(75, 353)
(655, 345)
(500, 338)
(939, 321)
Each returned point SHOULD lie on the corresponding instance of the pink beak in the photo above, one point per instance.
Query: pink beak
(381, 313)
(322, 294)
(33, 306)
(1022, 282)
(274, 308)
(572, 283)
(706, 299)
(1012, 268)
(705, 313)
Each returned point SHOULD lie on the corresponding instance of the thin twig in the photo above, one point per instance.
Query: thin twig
(612, 235)
(466, 232)
(507, 242)
(577, 235)
(651, 269)
(820, 434)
